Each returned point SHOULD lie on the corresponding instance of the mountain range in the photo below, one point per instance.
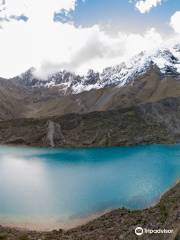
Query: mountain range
(166, 60)
(137, 101)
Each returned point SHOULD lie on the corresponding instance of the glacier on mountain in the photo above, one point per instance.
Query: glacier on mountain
(167, 60)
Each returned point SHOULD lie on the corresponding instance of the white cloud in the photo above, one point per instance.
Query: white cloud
(145, 6)
(34, 9)
(175, 22)
(58, 45)
(51, 46)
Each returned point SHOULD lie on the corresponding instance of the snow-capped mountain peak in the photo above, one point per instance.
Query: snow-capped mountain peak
(166, 60)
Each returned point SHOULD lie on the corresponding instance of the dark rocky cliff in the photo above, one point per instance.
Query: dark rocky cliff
(157, 122)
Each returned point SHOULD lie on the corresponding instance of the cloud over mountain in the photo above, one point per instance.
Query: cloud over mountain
(175, 20)
(50, 46)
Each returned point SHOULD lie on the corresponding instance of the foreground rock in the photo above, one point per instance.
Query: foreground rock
(118, 224)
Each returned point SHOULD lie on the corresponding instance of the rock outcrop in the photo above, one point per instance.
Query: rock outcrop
(54, 134)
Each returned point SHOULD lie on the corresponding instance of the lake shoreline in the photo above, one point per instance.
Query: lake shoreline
(95, 227)
(170, 197)
(51, 224)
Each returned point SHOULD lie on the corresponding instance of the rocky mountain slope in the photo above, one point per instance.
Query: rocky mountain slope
(19, 101)
(144, 78)
(108, 108)
(157, 122)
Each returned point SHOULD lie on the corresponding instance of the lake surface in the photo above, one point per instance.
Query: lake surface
(69, 183)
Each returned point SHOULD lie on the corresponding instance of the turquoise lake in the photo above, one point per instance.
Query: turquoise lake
(70, 183)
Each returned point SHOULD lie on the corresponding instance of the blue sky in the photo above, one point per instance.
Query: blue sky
(123, 15)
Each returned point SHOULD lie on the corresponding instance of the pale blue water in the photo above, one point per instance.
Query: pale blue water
(78, 182)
